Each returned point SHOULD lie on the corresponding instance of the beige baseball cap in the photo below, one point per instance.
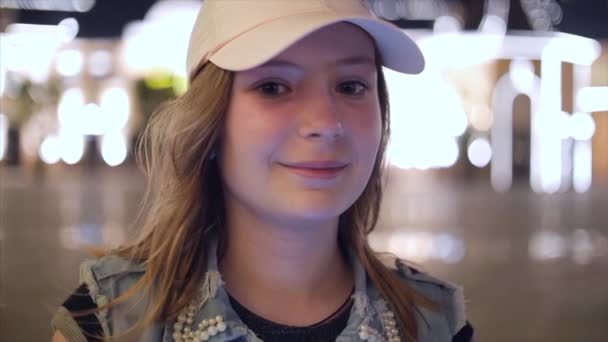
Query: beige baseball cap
(242, 34)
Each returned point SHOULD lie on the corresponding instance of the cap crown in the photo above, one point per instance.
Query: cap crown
(220, 21)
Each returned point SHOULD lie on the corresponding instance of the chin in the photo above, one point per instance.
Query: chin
(315, 209)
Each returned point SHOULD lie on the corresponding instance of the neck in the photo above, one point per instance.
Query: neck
(289, 274)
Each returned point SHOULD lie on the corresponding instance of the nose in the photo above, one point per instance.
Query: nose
(319, 118)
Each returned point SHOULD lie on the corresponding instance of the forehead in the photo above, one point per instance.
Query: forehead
(330, 45)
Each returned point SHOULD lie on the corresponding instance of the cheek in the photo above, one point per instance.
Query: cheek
(251, 134)
(366, 130)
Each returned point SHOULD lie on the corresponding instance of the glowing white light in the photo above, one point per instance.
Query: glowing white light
(480, 152)
(455, 119)
(83, 5)
(493, 24)
(3, 135)
(502, 130)
(65, 5)
(31, 32)
(447, 152)
(458, 50)
(546, 245)
(68, 29)
(70, 109)
(400, 154)
(582, 126)
(549, 131)
(424, 129)
(417, 246)
(114, 148)
(2, 71)
(167, 24)
(593, 99)
(550, 164)
(553, 125)
(550, 124)
(183, 10)
(422, 246)
(70, 63)
(471, 48)
(29, 50)
(100, 63)
(574, 49)
(551, 80)
(521, 72)
(49, 151)
(93, 121)
(14, 58)
(71, 147)
(429, 153)
(448, 248)
(447, 24)
(582, 130)
(114, 104)
(582, 168)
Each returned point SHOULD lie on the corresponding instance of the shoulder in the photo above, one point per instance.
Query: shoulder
(449, 296)
(110, 266)
(109, 273)
(418, 278)
(107, 278)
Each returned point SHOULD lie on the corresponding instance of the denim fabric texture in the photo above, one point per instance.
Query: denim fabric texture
(110, 276)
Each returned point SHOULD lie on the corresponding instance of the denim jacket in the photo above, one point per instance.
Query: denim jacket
(110, 276)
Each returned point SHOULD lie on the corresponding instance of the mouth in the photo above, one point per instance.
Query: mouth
(317, 169)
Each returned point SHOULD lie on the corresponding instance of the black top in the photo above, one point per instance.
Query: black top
(324, 331)
(81, 300)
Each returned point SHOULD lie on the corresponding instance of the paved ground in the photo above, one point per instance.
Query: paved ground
(534, 267)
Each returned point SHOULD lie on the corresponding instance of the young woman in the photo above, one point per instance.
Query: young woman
(264, 182)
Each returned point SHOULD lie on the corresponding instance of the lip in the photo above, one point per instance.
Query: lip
(321, 169)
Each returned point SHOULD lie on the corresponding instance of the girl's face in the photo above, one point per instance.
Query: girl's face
(303, 130)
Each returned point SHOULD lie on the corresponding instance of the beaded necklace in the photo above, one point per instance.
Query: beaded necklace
(184, 331)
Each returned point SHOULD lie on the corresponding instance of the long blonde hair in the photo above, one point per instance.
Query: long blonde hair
(184, 205)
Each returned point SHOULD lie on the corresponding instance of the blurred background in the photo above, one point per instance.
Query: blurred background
(498, 175)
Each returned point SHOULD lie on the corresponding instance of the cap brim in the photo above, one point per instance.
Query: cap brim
(262, 43)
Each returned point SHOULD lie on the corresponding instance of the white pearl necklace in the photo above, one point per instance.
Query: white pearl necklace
(370, 334)
(183, 330)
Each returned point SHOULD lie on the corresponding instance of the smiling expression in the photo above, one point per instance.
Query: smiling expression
(302, 131)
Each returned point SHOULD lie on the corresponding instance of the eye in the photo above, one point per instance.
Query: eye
(272, 89)
(352, 88)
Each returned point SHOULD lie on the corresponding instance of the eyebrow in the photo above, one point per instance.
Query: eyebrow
(354, 60)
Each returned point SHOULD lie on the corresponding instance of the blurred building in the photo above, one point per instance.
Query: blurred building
(506, 97)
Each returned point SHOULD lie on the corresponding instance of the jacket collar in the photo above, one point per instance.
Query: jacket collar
(214, 301)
